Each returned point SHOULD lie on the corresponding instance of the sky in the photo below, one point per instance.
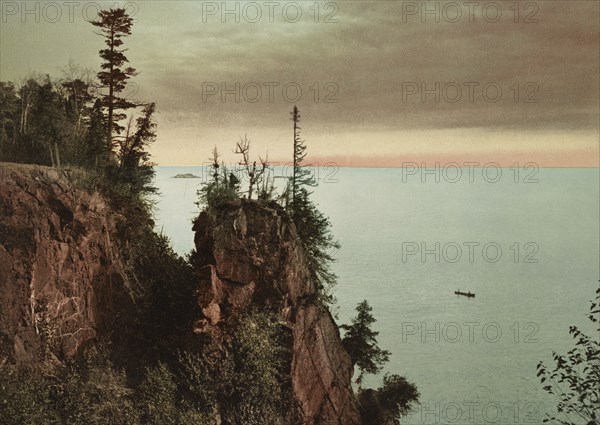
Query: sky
(378, 83)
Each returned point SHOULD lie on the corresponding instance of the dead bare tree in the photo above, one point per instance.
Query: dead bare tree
(253, 170)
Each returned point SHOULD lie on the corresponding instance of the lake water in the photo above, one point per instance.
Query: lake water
(526, 243)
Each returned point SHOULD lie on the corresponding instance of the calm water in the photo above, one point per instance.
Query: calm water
(473, 359)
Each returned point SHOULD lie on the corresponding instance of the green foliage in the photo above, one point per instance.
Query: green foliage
(314, 234)
(386, 405)
(217, 192)
(9, 117)
(221, 188)
(575, 377)
(94, 148)
(161, 402)
(166, 288)
(246, 382)
(114, 24)
(128, 183)
(93, 391)
(47, 122)
(395, 398)
(301, 176)
(157, 396)
(360, 341)
(127, 190)
(134, 149)
(24, 400)
(258, 393)
(312, 226)
(90, 391)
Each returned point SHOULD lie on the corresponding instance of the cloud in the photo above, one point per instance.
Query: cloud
(365, 62)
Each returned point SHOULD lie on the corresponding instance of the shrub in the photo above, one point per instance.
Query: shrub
(575, 378)
(243, 382)
(387, 404)
(157, 396)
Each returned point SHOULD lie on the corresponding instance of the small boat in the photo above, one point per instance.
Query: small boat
(466, 294)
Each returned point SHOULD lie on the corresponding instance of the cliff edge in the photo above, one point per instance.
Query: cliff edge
(64, 284)
(248, 255)
(62, 281)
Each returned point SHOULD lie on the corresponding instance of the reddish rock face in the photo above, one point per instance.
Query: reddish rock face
(249, 255)
(62, 280)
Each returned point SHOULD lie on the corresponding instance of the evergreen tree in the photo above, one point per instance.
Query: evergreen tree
(215, 165)
(312, 226)
(114, 24)
(360, 341)
(77, 100)
(301, 176)
(134, 172)
(134, 148)
(95, 143)
(223, 186)
(9, 108)
(48, 122)
(28, 91)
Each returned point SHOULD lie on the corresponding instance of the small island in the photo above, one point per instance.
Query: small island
(186, 176)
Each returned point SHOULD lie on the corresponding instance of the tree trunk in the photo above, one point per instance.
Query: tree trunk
(3, 137)
(110, 98)
(25, 106)
(51, 155)
(294, 164)
(56, 155)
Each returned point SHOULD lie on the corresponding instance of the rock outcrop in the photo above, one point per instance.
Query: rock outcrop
(62, 281)
(250, 257)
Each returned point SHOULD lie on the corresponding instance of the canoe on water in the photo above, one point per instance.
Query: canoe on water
(466, 294)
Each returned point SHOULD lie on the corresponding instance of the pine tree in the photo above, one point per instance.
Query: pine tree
(114, 24)
(135, 169)
(96, 135)
(223, 186)
(48, 122)
(360, 341)
(77, 100)
(312, 226)
(301, 176)
(134, 148)
(9, 108)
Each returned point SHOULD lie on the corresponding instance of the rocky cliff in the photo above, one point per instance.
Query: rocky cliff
(62, 281)
(250, 256)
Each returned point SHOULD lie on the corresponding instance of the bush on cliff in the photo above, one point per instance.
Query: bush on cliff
(396, 397)
(160, 400)
(387, 404)
(90, 391)
(245, 382)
